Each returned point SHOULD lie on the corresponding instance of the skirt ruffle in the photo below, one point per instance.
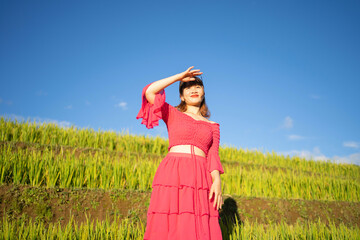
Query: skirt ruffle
(180, 207)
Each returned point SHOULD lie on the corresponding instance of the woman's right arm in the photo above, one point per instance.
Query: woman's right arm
(159, 85)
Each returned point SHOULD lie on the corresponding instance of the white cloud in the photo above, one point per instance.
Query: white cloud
(316, 155)
(352, 159)
(351, 144)
(122, 105)
(314, 96)
(68, 107)
(295, 137)
(288, 122)
(41, 93)
(38, 120)
(7, 102)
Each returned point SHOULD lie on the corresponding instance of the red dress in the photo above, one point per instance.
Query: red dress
(180, 207)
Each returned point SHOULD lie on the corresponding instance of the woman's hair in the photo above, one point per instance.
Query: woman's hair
(203, 107)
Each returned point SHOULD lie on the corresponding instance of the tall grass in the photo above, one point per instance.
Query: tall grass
(123, 161)
(26, 229)
(129, 162)
(125, 229)
(51, 134)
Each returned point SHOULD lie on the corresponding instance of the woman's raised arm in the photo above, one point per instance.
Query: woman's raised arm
(159, 85)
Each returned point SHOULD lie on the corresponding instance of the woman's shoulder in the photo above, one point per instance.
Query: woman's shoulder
(177, 110)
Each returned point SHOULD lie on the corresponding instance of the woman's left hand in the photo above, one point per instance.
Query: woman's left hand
(216, 189)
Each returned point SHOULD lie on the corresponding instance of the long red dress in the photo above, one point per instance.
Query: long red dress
(180, 207)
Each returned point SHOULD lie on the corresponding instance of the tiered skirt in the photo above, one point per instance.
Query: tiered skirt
(180, 207)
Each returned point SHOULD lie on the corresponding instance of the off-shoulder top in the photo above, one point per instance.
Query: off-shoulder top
(182, 129)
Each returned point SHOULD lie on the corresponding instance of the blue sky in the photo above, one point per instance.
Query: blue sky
(279, 76)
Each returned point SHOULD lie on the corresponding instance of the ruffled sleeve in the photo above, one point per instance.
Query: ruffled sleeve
(213, 159)
(152, 113)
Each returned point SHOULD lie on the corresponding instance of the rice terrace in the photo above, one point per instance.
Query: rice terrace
(70, 183)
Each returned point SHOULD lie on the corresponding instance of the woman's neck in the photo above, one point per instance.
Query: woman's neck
(193, 110)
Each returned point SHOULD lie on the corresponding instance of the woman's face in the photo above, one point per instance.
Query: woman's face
(193, 95)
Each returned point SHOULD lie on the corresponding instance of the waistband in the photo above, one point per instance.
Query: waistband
(188, 155)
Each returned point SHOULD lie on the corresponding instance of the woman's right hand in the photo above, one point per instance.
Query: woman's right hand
(189, 74)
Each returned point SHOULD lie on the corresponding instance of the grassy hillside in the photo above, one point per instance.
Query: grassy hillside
(107, 176)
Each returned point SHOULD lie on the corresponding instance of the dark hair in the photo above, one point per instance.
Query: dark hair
(203, 107)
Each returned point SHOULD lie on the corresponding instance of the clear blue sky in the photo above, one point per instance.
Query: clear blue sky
(278, 75)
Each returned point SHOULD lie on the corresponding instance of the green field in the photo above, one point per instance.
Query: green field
(63, 183)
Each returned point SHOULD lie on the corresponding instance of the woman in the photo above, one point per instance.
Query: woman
(186, 194)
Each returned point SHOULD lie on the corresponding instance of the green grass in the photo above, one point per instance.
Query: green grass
(45, 155)
(126, 229)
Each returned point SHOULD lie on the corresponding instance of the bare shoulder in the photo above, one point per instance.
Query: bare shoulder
(207, 120)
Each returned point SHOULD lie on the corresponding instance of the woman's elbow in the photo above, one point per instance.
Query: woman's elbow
(150, 97)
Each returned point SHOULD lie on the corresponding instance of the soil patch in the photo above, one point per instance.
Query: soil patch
(51, 205)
